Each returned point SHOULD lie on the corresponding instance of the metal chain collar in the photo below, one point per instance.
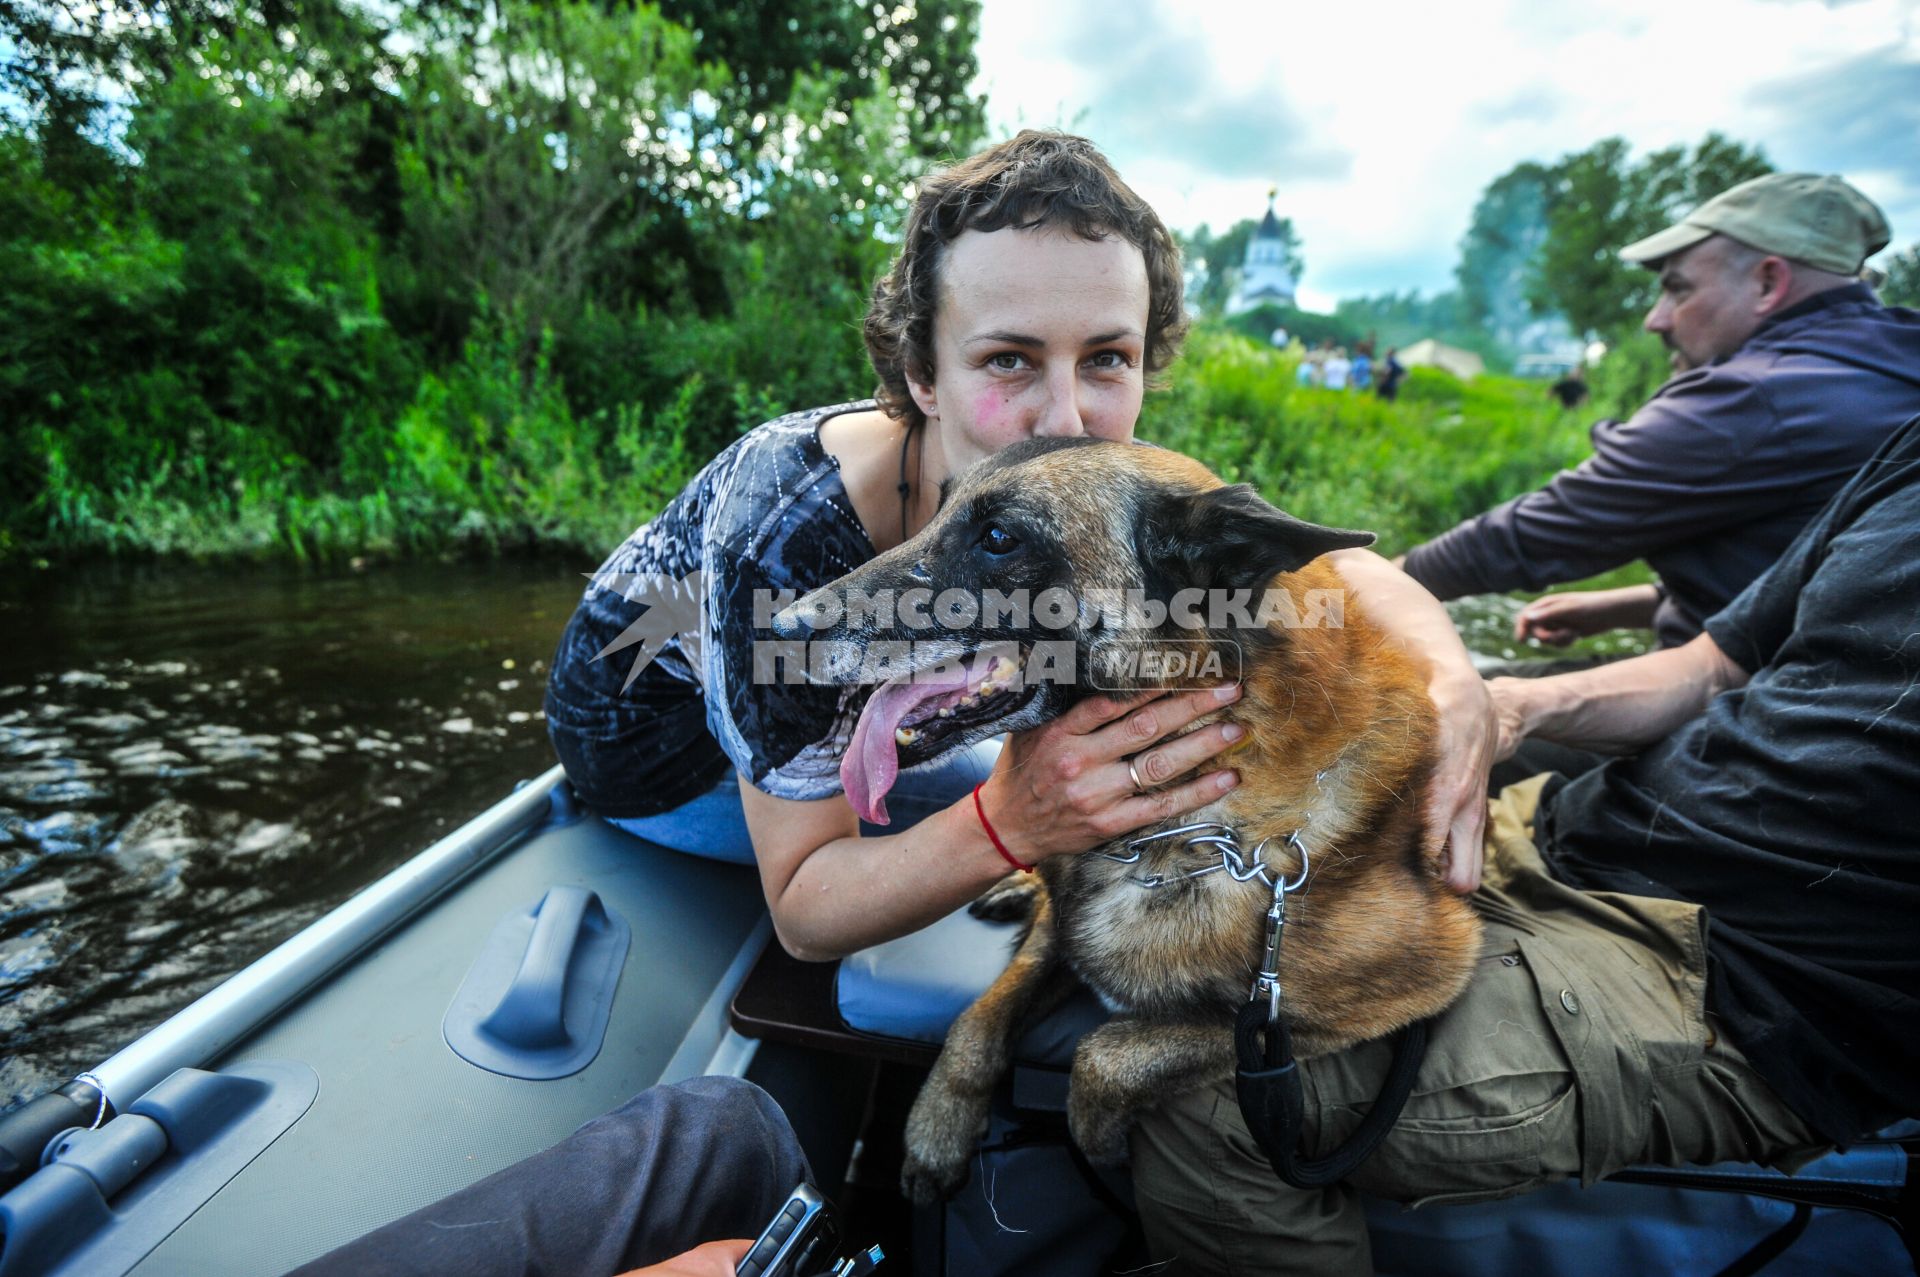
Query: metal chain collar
(1241, 867)
(1223, 838)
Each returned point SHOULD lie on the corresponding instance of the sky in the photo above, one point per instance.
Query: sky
(1380, 124)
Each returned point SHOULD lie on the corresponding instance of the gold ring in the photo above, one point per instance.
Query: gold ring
(1138, 788)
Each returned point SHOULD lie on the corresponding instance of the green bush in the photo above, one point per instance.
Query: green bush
(320, 285)
(1406, 470)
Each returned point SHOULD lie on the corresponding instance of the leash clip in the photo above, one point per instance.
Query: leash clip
(1268, 980)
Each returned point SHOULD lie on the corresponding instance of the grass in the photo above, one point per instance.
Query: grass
(488, 458)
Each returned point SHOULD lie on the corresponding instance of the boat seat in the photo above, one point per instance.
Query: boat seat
(1848, 1212)
(895, 1001)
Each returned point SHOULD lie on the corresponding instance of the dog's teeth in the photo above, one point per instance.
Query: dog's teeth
(988, 688)
(1003, 668)
(946, 713)
(905, 736)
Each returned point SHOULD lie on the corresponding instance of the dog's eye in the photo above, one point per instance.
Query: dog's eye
(997, 540)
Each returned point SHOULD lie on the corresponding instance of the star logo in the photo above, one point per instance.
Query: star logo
(672, 609)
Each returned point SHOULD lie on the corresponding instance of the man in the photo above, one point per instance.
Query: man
(1698, 954)
(1571, 390)
(1788, 374)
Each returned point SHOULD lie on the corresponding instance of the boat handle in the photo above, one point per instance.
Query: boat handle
(529, 1015)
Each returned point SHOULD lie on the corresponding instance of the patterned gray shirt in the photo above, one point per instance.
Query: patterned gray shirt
(768, 514)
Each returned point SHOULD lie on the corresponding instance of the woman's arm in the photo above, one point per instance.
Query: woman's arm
(1058, 789)
(1618, 708)
(1457, 800)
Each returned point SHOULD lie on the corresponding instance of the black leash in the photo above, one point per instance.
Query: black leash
(1267, 1081)
(1268, 1084)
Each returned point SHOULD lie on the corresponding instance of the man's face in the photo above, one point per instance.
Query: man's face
(1710, 297)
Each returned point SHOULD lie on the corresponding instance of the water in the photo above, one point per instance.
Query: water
(196, 763)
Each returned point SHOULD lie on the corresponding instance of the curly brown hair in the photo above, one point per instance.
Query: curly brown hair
(1039, 178)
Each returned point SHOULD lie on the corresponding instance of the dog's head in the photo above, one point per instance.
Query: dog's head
(1007, 608)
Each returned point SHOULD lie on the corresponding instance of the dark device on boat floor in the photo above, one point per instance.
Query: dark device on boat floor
(802, 1240)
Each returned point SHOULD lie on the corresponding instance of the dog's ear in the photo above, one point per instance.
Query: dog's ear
(1232, 538)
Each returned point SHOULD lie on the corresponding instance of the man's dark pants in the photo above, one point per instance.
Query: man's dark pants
(675, 1166)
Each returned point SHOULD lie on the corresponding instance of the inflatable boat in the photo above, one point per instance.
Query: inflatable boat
(538, 967)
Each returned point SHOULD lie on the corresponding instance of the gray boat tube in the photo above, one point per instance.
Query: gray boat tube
(258, 992)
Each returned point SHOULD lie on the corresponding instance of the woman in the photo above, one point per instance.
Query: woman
(1034, 295)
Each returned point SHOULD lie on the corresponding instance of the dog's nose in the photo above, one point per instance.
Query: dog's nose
(791, 622)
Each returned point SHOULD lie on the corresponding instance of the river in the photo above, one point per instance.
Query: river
(196, 762)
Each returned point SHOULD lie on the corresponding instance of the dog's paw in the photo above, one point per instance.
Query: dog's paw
(1009, 900)
(1099, 1130)
(942, 1132)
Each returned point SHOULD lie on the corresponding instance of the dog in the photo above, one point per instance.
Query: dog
(1337, 757)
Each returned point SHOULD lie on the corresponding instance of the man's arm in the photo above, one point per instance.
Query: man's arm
(1413, 618)
(1618, 708)
(1679, 470)
(1559, 619)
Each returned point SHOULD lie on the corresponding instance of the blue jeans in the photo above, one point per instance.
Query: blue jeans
(714, 825)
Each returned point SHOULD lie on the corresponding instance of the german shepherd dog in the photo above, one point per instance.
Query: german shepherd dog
(1338, 753)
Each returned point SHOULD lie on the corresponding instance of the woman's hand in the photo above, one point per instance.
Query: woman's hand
(1466, 750)
(1065, 787)
(1559, 619)
(1457, 794)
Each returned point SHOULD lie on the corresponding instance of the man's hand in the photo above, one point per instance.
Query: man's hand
(714, 1259)
(1510, 711)
(1559, 619)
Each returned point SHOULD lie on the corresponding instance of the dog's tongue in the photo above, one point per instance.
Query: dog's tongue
(872, 762)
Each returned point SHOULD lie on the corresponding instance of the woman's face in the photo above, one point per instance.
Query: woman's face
(1038, 333)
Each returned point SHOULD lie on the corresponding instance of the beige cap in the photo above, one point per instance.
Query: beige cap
(1818, 221)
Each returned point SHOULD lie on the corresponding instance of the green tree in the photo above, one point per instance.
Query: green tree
(1497, 253)
(922, 53)
(1601, 199)
(447, 261)
(1903, 278)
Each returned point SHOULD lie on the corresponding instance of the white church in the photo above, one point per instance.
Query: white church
(1264, 277)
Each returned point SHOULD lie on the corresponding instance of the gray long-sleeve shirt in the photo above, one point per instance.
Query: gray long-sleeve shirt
(1712, 479)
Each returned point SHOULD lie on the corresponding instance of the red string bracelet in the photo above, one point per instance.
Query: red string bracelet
(997, 844)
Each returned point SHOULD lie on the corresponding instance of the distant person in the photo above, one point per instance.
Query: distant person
(1571, 390)
(1392, 373)
(1363, 366)
(1788, 373)
(1279, 338)
(1311, 371)
(1337, 370)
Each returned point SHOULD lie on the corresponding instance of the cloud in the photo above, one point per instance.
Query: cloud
(1381, 137)
(1534, 104)
(1168, 108)
(1858, 117)
(1859, 114)
(1159, 96)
